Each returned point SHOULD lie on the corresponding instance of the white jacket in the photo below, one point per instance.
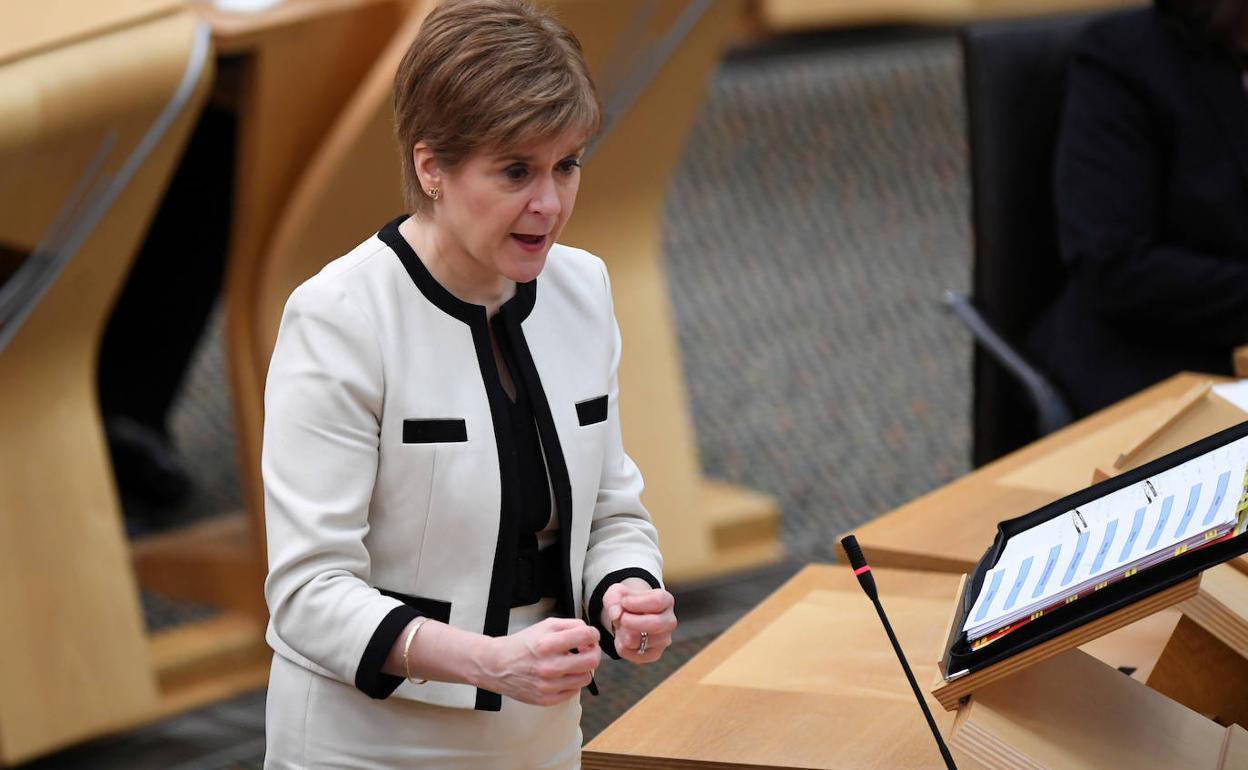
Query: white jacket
(383, 422)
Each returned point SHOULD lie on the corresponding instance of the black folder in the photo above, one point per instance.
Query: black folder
(960, 659)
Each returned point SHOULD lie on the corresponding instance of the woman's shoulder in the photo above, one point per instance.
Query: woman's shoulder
(575, 269)
(575, 258)
(351, 275)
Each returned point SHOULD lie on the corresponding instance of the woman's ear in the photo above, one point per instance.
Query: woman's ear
(426, 165)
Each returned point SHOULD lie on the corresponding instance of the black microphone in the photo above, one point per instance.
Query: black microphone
(863, 571)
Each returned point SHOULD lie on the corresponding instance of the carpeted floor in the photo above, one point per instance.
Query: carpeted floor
(818, 215)
(816, 218)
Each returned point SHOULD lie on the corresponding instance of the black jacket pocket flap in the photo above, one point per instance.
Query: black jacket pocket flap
(434, 431)
(592, 410)
(433, 608)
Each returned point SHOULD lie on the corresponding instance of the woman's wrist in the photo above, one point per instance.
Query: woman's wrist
(478, 663)
(443, 653)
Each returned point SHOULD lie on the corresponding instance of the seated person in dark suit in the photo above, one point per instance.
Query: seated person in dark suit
(1152, 202)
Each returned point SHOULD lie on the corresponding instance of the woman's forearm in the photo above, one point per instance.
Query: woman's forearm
(441, 653)
(544, 664)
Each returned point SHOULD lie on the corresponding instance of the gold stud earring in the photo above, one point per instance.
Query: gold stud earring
(434, 193)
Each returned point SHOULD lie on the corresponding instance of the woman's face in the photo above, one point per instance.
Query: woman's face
(503, 210)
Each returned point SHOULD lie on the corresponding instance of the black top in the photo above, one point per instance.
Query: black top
(1152, 211)
(535, 572)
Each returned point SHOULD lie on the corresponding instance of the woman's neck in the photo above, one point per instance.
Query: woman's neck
(455, 269)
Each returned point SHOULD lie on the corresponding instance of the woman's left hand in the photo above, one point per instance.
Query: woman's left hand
(631, 608)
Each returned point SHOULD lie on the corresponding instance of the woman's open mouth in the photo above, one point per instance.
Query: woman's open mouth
(529, 242)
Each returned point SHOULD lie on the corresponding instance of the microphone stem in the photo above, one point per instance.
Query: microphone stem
(944, 750)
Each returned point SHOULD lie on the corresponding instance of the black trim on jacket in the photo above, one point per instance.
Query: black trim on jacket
(439, 295)
(591, 411)
(502, 577)
(369, 678)
(556, 466)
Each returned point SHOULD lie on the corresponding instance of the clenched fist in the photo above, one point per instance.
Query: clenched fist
(631, 607)
(545, 664)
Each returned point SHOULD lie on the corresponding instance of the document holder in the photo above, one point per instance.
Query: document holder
(960, 659)
(1030, 699)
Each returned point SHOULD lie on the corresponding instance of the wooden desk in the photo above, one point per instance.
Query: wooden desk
(808, 680)
(949, 529)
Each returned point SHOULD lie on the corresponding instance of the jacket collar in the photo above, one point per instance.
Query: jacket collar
(518, 307)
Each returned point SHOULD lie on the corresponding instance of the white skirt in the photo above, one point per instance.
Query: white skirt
(317, 723)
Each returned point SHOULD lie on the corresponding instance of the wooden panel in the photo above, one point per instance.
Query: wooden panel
(1182, 408)
(950, 528)
(1239, 359)
(64, 22)
(235, 33)
(295, 80)
(1134, 649)
(618, 217)
(1199, 671)
(1221, 607)
(213, 562)
(1208, 416)
(806, 680)
(203, 662)
(73, 660)
(359, 154)
(1073, 712)
(786, 16)
(950, 693)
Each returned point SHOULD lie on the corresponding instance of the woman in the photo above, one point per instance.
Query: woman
(455, 531)
(1152, 202)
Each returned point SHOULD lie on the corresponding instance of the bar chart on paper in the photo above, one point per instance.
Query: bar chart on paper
(1112, 538)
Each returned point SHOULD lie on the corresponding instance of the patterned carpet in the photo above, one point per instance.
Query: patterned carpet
(819, 213)
(817, 216)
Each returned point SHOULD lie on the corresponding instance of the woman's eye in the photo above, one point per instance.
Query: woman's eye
(516, 172)
(569, 165)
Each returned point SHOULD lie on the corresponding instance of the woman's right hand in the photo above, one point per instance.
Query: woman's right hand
(545, 664)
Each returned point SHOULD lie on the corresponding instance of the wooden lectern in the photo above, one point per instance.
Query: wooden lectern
(1054, 706)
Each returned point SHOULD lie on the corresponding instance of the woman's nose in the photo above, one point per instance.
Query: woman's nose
(545, 200)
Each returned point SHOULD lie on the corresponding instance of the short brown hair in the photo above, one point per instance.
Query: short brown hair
(488, 74)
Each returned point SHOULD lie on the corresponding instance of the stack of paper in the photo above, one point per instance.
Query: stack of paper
(1112, 538)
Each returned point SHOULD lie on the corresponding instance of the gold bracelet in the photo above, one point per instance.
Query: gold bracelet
(407, 649)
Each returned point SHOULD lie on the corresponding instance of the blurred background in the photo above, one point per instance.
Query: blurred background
(801, 209)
